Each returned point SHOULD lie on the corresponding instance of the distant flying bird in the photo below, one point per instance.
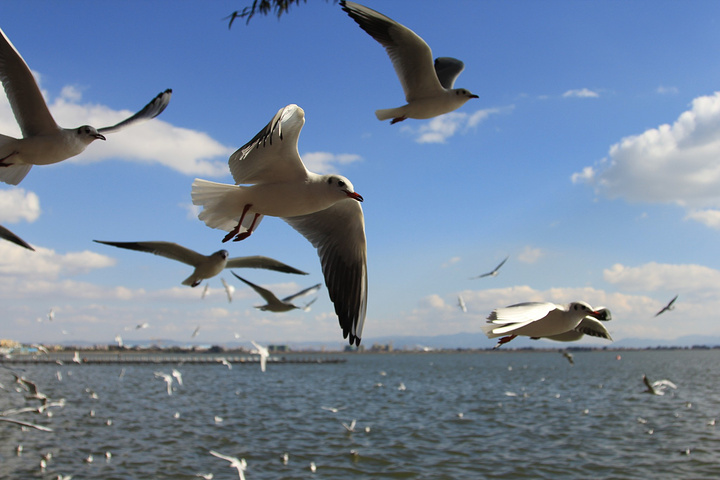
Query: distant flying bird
(263, 352)
(325, 209)
(26, 424)
(140, 326)
(588, 326)
(274, 304)
(535, 319)
(76, 358)
(10, 236)
(195, 332)
(569, 357)
(229, 290)
(658, 387)
(205, 291)
(494, 272)
(240, 464)
(668, 307)
(44, 142)
(333, 409)
(119, 340)
(168, 380)
(428, 85)
(461, 303)
(206, 266)
(51, 315)
(177, 376)
(225, 362)
(350, 428)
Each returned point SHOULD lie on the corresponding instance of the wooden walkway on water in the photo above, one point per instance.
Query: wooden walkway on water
(158, 359)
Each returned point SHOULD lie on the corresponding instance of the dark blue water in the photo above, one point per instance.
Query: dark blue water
(506, 415)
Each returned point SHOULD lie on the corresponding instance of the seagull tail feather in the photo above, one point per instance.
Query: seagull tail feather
(220, 203)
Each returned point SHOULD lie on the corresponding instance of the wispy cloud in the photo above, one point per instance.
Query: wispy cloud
(530, 254)
(47, 264)
(325, 162)
(662, 90)
(581, 93)
(439, 129)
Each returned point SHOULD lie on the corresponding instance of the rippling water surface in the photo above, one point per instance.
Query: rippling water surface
(508, 415)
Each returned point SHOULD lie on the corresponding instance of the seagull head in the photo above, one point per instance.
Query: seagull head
(88, 134)
(465, 93)
(224, 254)
(343, 184)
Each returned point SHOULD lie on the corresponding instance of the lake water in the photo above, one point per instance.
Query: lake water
(499, 415)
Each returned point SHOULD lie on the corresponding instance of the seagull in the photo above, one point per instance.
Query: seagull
(178, 376)
(26, 424)
(263, 352)
(333, 409)
(325, 209)
(668, 307)
(229, 290)
(205, 290)
(11, 237)
(195, 332)
(44, 142)
(274, 304)
(140, 326)
(168, 380)
(461, 303)
(76, 357)
(350, 428)
(51, 315)
(225, 362)
(206, 266)
(240, 464)
(536, 319)
(569, 357)
(428, 86)
(119, 340)
(494, 272)
(658, 387)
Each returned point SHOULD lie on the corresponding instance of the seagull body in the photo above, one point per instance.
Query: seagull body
(264, 354)
(461, 303)
(495, 272)
(240, 464)
(274, 304)
(206, 266)
(168, 380)
(536, 319)
(428, 85)
(44, 142)
(658, 387)
(668, 307)
(272, 180)
(587, 326)
(11, 237)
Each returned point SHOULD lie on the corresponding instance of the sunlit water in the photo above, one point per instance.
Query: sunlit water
(509, 415)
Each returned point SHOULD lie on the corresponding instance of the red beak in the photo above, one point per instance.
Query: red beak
(354, 196)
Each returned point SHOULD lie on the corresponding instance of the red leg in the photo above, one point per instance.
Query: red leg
(244, 235)
(504, 340)
(235, 230)
(396, 120)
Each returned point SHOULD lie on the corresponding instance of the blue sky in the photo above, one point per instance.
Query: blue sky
(591, 158)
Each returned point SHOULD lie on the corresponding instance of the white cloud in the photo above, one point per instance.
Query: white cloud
(451, 262)
(439, 129)
(677, 164)
(16, 204)
(666, 90)
(187, 151)
(664, 277)
(530, 254)
(708, 217)
(581, 93)
(46, 264)
(325, 162)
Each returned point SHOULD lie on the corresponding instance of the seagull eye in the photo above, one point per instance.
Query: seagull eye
(341, 183)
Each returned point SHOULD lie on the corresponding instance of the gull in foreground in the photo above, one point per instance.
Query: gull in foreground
(428, 85)
(536, 319)
(263, 352)
(206, 266)
(494, 272)
(658, 387)
(240, 464)
(274, 304)
(325, 209)
(11, 237)
(668, 307)
(44, 142)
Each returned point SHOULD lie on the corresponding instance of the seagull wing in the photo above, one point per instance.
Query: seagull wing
(11, 237)
(164, 249)
(521, 312)
(594, 328)
(266, 294)
(151, 110)
(447, 70)
(258, 261)
(338, 234)
(272, 153)
(229, 289)
(410, 55)
(307, 291)
(26, 101)
(26, 424)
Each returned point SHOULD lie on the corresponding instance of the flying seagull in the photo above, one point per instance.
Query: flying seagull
(240, 464)
(668, 307)
(229, 290)
(10, 236)
(274, 304)
(263, 352)
(325, 209)
(206, 266)
(428, 85)
(535, 319)
(658, 387)
(494, 272)
(461, 303)
(44, 142)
